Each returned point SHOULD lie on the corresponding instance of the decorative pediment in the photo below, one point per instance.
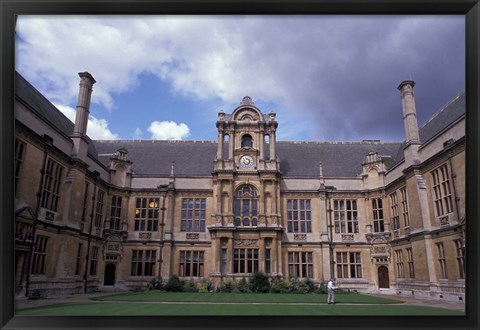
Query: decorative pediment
(247, 114)
(247, 111)
(380, 250)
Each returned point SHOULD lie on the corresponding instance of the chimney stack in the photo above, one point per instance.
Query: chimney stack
(409, 111)
(410, 122)
(79, 135)
(83, 104)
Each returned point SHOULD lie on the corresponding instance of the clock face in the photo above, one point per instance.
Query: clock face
(246, 161)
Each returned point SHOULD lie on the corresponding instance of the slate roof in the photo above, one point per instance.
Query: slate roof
(154, 157)
(450, 113)
(45, 109)
(195, 158)
(447, 115)
(339, 159)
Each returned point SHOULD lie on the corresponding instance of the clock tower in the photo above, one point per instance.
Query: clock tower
(246, 230)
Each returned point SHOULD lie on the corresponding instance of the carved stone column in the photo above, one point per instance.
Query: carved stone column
(230, 255)
(261, 255)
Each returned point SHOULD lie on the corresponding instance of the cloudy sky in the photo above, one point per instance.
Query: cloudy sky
(328, 78)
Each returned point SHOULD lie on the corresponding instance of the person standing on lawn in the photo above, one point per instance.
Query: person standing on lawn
(331, 292)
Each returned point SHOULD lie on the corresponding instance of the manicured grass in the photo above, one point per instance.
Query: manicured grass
(152, 296)
(211, 304)
(172, 309)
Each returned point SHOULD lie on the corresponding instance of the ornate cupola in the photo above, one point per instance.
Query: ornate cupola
(246, 139)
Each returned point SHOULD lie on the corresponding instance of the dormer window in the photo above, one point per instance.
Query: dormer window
(246, 141)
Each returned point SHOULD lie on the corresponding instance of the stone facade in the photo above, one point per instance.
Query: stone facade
(112, 214)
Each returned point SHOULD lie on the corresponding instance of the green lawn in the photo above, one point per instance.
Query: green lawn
(152, 296)
(191, 304)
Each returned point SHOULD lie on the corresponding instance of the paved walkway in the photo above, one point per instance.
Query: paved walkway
(457, 306)
(78, 298)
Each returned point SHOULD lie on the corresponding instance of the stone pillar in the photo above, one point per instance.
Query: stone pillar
(278, 244)
(274, 256)
(272, 146)
(220, 145)
(215, 262)
(261, 143)
(231, 145)
(274, 197)
(430, 259)
(261, 255)
(230, 255)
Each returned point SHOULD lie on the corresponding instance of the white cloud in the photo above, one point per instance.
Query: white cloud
(97, 129)
(168, 130)
(303, 64)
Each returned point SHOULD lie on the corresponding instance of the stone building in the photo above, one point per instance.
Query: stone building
(378, 217)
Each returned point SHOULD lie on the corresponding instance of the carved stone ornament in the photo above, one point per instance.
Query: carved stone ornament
(421, 183)
(347, 237)
(193, 236)
(218, 219)
(274, 219)
(300, 237)
(380, 251)
(145, 235)
(247, 100)
(114, 238)
(245, 242)
(261, 220)
(444, 221)
(113, 247)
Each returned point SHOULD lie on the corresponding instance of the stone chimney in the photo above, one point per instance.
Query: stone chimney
(79, 135)
(410, 121)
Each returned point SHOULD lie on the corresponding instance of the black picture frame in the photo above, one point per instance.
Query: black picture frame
(11, 8)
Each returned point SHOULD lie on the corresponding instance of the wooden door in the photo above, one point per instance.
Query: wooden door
(383, 280)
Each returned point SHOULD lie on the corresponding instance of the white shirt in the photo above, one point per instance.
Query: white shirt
(331, 286)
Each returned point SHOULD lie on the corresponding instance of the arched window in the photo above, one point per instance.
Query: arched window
(246, 141)
(246, 207)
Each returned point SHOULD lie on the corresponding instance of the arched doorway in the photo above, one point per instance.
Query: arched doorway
(383, 280)
(109, 278)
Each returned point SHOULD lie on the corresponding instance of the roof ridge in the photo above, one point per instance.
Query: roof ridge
(155, 141)
(445, 106)
(368, 142)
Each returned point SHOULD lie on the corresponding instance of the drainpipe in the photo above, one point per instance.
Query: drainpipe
(330, 244)
(47, 143)
(96, 174)
(162, 226)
